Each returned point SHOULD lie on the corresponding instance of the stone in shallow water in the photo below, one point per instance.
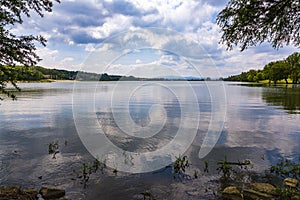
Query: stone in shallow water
(193, 193)
(15, 192)
(263, 187)
(296, 197)
(232, 193)
(253, 195)
(52, 193)
(31, 192)
(10, 191)
(291, 183)
(263, 191)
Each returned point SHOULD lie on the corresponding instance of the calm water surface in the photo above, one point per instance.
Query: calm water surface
(262, 125)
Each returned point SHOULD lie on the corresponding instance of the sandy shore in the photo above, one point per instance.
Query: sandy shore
(67, 81)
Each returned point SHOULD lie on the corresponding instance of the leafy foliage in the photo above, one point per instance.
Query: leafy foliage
(18, 49)
(6, 76)
(251, 22)
(294, 63)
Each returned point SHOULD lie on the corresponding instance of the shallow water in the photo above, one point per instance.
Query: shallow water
(261, 124)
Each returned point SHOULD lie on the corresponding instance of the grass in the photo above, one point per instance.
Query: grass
(278, 82)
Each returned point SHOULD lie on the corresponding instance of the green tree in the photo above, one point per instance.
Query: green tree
(259, 76)
(276, 71)
(293, 62)
(268, 71)
(285, 70)
(251, 22)
(251, 75)
(18, 49)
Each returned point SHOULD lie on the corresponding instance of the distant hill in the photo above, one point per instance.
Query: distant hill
(38, 73)
(181, 78)
(59, 74)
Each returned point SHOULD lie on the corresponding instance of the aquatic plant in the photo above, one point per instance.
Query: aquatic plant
(286, 193)
(232, 172)
(88, 169)
(115, 171)
(147, 195)
(196, 174)
(286, 168)
(179, 167)
(205, 166)
(53, 148)
(226, 167)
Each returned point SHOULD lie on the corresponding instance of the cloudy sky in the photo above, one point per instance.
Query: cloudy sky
(142, 38)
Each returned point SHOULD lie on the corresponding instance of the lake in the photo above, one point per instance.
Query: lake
(260, 124)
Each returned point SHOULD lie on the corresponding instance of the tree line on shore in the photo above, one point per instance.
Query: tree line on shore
(38, 73)
(287, 69)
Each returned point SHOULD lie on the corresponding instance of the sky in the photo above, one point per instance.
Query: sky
(145, 38)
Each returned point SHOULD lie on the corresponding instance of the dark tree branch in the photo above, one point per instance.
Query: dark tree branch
(18, 49)
(251, 22)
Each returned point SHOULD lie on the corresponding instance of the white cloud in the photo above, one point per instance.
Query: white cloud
(90, 47)
(49, 56)
(114, 24)
(54, 59)
(75, 28)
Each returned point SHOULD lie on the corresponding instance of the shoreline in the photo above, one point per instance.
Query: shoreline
(47, 81)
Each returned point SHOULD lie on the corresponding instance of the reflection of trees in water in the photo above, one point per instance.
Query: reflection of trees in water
(287, 98)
